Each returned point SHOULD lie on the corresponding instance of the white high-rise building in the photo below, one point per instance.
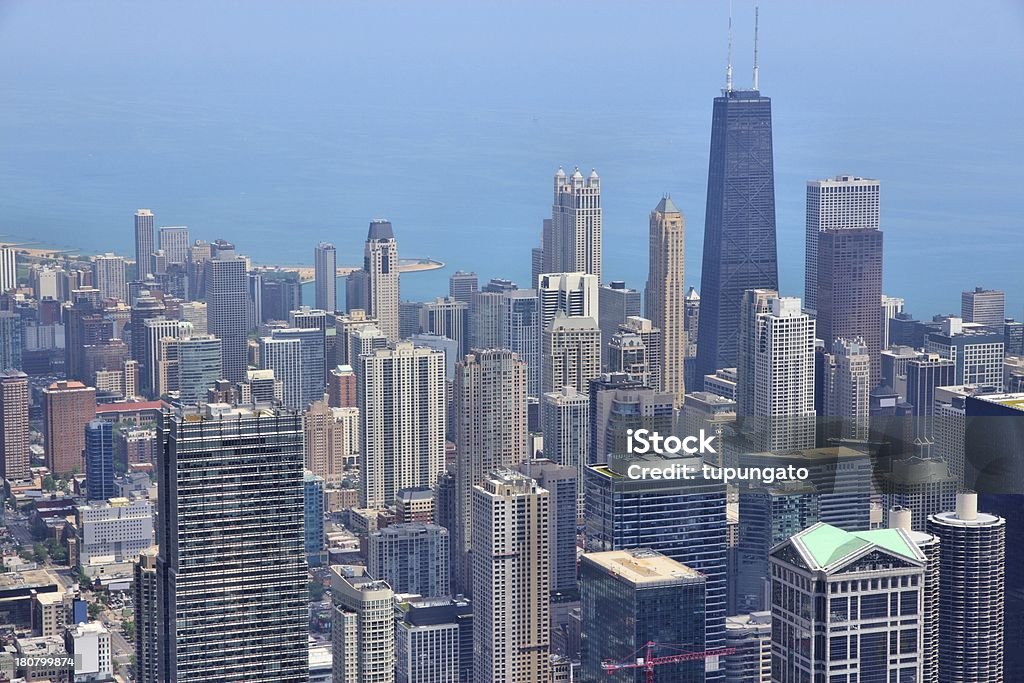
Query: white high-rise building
(847, 382)
(363, 628)
(783, 377)
(175, 243)
(840, 203)
(401, 397)
(325, 269)
(570, 353)
(283, 356)
(891, 305)
(569, 293)
(665, 303)
(565, 422)
(511, 579)
(382, 281)
(576, 222)
(489, 401)
(8, 269)
(110, 276)
(868, 587)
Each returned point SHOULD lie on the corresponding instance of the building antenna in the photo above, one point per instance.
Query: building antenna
(756, 9)
(728, 67)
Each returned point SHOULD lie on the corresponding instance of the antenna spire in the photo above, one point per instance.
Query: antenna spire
(756, 11)
(728, 67)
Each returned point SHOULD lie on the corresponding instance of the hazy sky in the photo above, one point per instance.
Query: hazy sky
(278, 124)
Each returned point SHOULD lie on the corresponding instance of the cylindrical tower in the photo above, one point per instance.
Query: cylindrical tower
(972, 572)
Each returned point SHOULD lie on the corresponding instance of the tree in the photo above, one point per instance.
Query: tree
(129, 629)
(316, 591)
(49, 483)
(94, 610)
(39, 553)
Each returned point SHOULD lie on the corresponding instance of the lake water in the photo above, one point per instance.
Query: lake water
(283, 126)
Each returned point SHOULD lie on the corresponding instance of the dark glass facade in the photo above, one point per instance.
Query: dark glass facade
(621, 617)
(739, 227)
(231, 573)
(683, 520)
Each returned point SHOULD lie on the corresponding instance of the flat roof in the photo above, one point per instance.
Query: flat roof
(642, 566)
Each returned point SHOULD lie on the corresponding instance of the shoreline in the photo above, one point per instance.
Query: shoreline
(306, 273)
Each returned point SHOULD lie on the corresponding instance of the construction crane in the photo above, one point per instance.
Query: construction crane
(649, 661)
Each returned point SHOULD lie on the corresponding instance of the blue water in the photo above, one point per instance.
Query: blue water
(277, 125)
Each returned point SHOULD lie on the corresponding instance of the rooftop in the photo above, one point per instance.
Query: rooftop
(643, 567)
(825, 545)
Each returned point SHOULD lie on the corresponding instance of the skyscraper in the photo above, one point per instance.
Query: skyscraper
(11, 340)
(572, 293)
(175, 243)
(325, 268)
(768, 516)
(666, 302)
(560, 482)
(739, 224)
(402, 410)
(144, 592)
(633, 597)
(511, 579)
(412, 558)
(363, 628)
(972, 570)
(616, 302)
(232, 571)
(109, 271)
(520, 332)
(144, 245)
(461, 286)
(14, 440)
(67, 408)
(8, 269)
(434, 641)
(783, 377)
(227, 308)
(446, 317)
(565, 422)
(878, 616)
(847, 387)
(840, 203)
(99, 460)
(983, 306)
(755, 302)
(311, 362)
(570, 353)
(380, 263)
(576, 223)
(849, 287)
(683, 520)
(199, 366)
(283, 356)
(891, 306)
(489, 402)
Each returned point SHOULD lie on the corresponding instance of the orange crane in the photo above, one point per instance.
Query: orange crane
(649, 661)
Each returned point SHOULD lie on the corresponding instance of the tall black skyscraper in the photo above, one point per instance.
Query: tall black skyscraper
(739, 225)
